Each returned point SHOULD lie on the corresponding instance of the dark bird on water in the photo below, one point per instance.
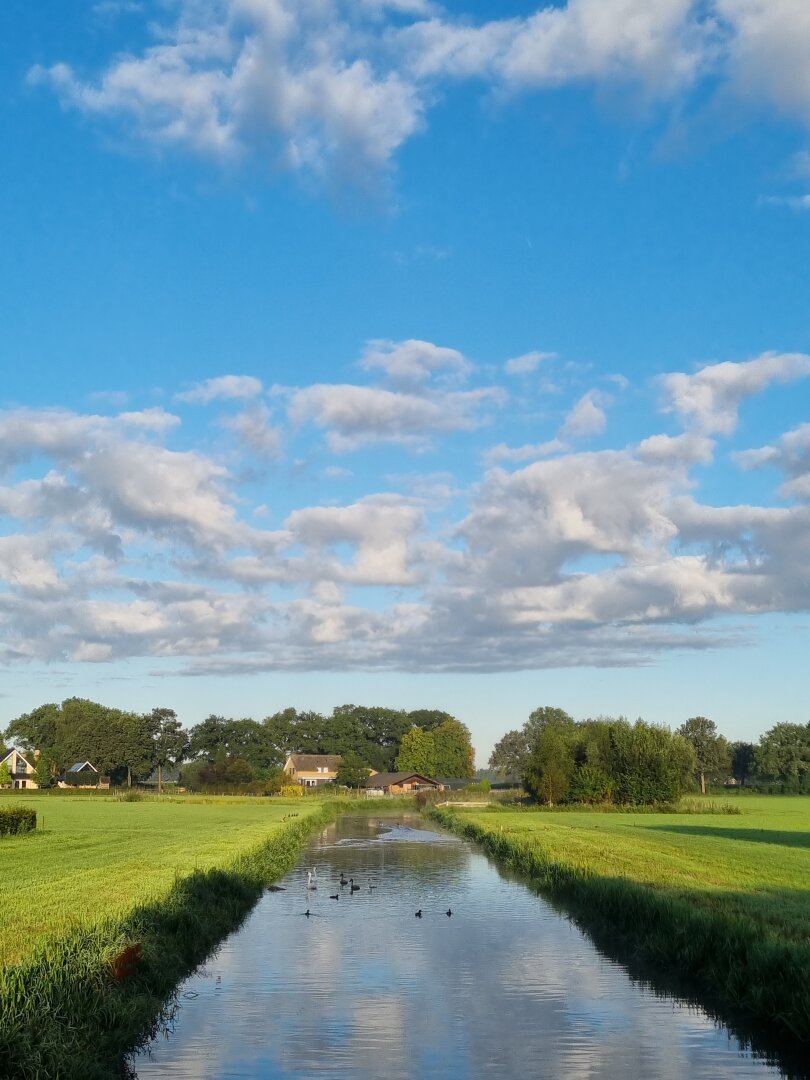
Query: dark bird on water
(343, 880)
(335, 897)
(354, 888)
(418, 913)
(448, 913)
(307, 913)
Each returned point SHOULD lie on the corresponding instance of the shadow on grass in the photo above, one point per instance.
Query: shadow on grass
(756, 836)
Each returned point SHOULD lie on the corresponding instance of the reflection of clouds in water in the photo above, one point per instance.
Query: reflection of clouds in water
(504, 988)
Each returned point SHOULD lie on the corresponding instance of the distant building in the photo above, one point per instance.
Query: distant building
(401, 783)
(312, 770)
(20, 769)
(81, 774)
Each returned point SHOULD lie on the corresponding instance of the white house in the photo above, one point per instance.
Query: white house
(20, 769)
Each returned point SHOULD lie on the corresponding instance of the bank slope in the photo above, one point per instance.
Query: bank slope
(722, 903)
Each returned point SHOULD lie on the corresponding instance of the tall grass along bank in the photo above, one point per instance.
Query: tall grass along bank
(82, 998)
(723, 905)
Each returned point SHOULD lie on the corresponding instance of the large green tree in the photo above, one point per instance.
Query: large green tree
(45, 770)
(352, 771)
(510, 754)
(783, 755)
(648, 764)
(743, 756)
(36, 730)
(454, 755)
(550, 765)
(711, 750)
(169, 742)
(417, 753)
(5, 775)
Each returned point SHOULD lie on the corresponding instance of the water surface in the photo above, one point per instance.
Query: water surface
(504, 987)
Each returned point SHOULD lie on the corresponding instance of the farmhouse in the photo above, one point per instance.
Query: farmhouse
(20, 769)
(401, 783)
(312, 770)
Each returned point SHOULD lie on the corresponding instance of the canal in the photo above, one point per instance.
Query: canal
(503, 987)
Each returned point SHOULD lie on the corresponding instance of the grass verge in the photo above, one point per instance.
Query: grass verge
(63, 1015)
(737, 937)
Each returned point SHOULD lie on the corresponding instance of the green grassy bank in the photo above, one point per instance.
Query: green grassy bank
(722, 902)
(93, 857)
(173, 877)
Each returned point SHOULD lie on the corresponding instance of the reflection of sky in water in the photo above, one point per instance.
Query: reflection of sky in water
(506, 987)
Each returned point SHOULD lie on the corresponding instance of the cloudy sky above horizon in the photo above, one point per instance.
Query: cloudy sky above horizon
(406, 353)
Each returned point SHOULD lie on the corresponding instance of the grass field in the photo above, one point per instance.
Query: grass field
(719, 899)
(99, 857)
(169, 879)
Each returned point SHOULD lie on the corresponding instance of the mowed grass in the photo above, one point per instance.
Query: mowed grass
(99, 857)
(756, 863)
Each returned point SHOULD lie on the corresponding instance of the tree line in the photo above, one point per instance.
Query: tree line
(225, 751)
(609, 759)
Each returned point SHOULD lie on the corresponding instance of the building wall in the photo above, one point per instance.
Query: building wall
(22, 773)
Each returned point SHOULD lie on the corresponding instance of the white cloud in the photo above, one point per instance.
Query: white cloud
(224, 387)
(793, 202)
(355, 416)
(527, 452)
(337, 89)
(688, 448)
(767, 53)
(527, 362)
(113, 545)
(410, 364)
(241, 75)
(155, 419)
(791, 455)
(710, 399)
(587, 418)
(255, 432)
(379, 530)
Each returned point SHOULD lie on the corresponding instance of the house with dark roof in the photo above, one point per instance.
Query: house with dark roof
(21, 771)
(312, 770)
(81, 774)
(401, 783)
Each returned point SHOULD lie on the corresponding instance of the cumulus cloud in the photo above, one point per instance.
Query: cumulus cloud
(355, 416)
(336, 88)
(255, 432)
(791, 455)
(224, 387)
(689, 448)
(527, 452)
(114, 545)
(412, 363)
(587, 418)
(710, 399)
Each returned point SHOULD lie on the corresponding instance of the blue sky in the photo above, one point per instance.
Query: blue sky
(404, 353)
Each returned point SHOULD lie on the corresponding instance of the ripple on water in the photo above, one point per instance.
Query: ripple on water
(505, 987)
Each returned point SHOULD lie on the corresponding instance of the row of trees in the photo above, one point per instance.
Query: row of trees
(603, 760)
(223, 751)
(780, 761)
(610, 759)
(118, 743)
